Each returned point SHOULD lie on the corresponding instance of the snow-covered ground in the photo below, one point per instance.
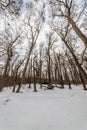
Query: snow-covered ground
(58, 109)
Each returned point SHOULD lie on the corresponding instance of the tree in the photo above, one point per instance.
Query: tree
(50, 41)
(33, 25)
(68, 9)
(9, 44)
(64, 33)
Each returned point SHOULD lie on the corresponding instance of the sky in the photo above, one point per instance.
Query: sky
(42, 6)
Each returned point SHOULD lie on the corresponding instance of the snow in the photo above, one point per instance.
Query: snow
(58, 109)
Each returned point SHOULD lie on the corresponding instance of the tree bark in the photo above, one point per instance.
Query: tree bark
(77, 30)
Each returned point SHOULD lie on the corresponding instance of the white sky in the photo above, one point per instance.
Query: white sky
(45, 28)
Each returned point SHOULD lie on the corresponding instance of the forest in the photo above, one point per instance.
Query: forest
(43, 42)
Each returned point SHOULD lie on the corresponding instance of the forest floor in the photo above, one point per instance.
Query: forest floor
(57, 109)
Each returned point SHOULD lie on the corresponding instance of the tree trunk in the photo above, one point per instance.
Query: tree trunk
(76, 61)
(78, 31)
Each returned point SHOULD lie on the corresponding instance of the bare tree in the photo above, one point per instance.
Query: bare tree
(50, 40)
(9, 44)
(68, 9)
(41, 51)
(64, 34)
(33, 29)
